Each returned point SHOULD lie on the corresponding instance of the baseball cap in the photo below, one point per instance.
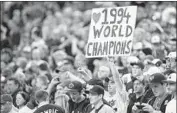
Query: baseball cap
(6, 98)
(147, 51)
(27, 49)
(140, 64)
(155, 39)
(157, 62)
(74, 86)
(153, 70)
(157, 78)
(97, 90)
(138, 46)
(171, 55)
(132, 59)
(41, 94)
(171, 78)
(95, 81)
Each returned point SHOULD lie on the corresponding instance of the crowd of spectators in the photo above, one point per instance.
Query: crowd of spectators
(43, 60)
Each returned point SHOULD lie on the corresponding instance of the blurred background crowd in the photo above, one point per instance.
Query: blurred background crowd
(43, 41)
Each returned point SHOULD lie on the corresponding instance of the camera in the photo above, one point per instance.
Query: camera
(139, 106)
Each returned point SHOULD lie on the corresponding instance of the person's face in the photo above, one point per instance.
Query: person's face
(173, 62)
(26, 54)
(59, 91)
(171, 87)
(94, 98)
(75, 96)
(136, 70)
(12, 87)
(6, 107)
(141, 55)
(103, 72)
(20, 100)
(39, 84)
(36, 54)
(138, 86)
(111, 87)
(16, 16)
(5, 57)
(136, 52)
(158, 89)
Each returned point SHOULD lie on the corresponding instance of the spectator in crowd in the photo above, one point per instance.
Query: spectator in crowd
(62, 100)
(171, 61)
(78, 102)
(139, 94)
(42, 98)
(171, 86)
(21, 100)
(121, 93)
(13, 87)
(137, 72)
(43, 46)
(96, 81)
(41, 82)
(161, 97)
(103, 74)
(96, 99)
(7, 104)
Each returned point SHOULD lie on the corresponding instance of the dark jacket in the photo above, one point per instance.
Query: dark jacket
(162, 103)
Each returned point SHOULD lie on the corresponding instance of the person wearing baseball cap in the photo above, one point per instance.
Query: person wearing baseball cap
(77, 102)
(137, 72)
(171, 86)
(171, 60)
(161, 97)
(96, 95)
(7, 104)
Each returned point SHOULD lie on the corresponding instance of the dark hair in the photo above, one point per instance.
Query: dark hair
(16, 81)
(37, 31)
(43, 66)
(43, 78)
(95, 81)
(142, 81)
(25, 96)
(168, 72)
(41, 95)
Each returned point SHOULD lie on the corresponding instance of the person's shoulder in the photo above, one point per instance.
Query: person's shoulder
(167, 98)
(107, 108)
(172, 102)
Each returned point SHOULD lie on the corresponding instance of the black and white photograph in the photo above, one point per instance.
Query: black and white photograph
(88, 56)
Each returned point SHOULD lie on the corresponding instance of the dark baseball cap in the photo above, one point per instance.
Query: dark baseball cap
(95, 81)
(157, 78)
(74, 86)
(6, 98)
(140, 64)
(97, 90)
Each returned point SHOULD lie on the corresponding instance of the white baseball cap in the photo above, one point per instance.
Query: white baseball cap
(172, 55)
(138, 45)
(171, 78)
(155, 39)
(157, 62)
(153, 70)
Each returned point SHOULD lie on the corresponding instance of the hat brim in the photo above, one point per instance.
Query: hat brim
(168, 81)
(93, 93)
(71, 90)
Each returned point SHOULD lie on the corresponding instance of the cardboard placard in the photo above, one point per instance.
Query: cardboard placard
(111, 31)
